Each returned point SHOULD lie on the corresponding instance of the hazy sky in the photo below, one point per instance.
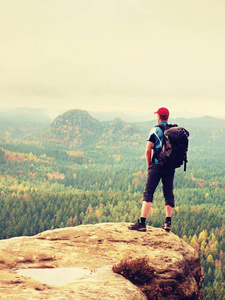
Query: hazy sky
(119, 55)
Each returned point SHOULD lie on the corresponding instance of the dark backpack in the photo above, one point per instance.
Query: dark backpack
(175, 146)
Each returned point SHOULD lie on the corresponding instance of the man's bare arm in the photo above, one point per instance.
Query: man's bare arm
(148, 153)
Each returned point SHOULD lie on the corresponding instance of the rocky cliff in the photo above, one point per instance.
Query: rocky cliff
(76, 263)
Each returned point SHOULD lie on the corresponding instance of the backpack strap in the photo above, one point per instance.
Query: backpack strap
(185, 161)
(156, 153)
(163, 129)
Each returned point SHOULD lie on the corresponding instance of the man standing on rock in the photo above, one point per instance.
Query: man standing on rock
(155, 173)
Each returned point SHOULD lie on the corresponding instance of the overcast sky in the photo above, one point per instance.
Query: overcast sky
(119, 55)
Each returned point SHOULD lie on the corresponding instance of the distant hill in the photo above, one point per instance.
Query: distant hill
(76, 128)
(201, 122)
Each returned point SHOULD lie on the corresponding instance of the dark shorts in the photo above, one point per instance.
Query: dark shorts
(155, 173)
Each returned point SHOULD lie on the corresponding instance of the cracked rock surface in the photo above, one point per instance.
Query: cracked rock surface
(94, 249)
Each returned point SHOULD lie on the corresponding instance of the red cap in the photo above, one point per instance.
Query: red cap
(162, 111)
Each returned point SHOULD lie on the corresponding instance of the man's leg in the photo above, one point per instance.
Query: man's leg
(152, 181)
(145, 209)
(169, 210)
(167, 186)
(167, 181)
(153, 178)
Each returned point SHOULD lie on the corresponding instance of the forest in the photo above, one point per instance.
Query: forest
(63, 175)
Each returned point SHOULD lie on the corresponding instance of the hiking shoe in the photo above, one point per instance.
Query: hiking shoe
(166, 226)
(137, 226)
